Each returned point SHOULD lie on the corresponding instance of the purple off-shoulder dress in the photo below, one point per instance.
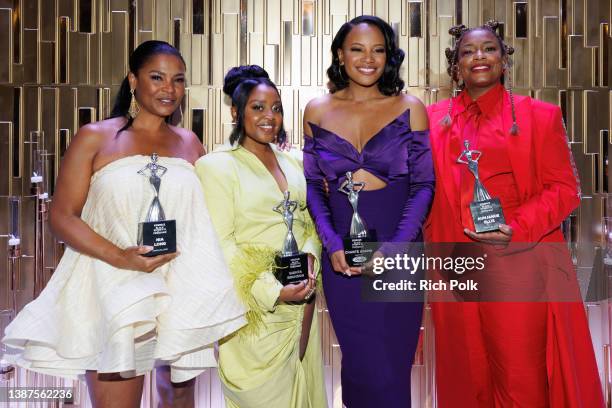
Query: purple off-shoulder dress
(377, 339)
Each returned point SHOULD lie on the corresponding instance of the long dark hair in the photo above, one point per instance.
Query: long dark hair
(390, 82)
(138, 58)
(238, 84)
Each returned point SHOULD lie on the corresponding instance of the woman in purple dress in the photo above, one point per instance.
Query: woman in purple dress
(368, 127)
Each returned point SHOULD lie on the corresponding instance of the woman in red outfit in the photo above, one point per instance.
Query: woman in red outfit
(505, 354)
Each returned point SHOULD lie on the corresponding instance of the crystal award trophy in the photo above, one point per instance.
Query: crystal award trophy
(486, 211)
(155, 230)
(359, 244)
(291, 263)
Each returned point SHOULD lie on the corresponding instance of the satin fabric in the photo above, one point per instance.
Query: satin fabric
(510, 354)
(377, 339)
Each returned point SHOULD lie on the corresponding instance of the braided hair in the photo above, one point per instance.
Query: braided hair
(452, 59)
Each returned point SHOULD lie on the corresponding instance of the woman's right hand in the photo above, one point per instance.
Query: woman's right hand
(297, 292)
(132, 259)
(339, 264)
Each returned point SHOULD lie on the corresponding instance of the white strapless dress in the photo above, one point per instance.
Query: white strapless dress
(93, 316)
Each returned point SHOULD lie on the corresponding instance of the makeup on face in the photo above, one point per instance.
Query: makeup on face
(363, 54)
(160, 84)
(480, 62)
(263, 115)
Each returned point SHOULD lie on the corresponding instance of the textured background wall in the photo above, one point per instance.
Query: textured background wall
(61, 62)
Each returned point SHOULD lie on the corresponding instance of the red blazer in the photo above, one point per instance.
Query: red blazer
(541, 162)
(549, 191)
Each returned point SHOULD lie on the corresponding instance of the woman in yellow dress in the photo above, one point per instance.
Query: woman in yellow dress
(274, 361)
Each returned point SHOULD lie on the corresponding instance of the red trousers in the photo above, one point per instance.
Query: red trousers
(502, 355)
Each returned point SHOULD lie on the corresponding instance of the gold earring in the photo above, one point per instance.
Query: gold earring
(340, 72)
(134, 109)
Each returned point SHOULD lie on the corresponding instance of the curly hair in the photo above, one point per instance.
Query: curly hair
(390, 82)
(452, 59)
(238, 84)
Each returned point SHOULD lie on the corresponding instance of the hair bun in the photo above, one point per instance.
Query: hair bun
(457, 30)
(236, 75)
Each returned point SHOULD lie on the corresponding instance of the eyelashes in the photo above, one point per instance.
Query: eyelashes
(275, 108)
(159, 78)
(377, 50)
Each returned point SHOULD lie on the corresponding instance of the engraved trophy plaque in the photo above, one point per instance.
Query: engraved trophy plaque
(291, 263)
(486, 211)
(359, 244)
(155, 230)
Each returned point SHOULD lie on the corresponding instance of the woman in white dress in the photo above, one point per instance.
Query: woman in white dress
(109, 313)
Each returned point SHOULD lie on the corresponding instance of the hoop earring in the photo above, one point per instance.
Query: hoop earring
(134, 109)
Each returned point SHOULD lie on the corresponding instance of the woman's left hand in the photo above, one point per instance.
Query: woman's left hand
(368, 268)
(312, 277)
(499, 238)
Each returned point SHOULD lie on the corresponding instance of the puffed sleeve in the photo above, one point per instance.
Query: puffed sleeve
(218, 177)
(257, 286)
(422, 184)
(317, 199)
(544, 211)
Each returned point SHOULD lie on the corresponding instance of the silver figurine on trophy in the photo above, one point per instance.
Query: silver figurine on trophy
(291, 263)
(358, 248)
(155, 230)
(486, 211)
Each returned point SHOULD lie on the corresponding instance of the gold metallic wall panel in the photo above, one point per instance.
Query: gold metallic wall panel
(6, 48)
(596, 106)
(118, 52)
(30, 56)
(256, 48)
(59, 70)
(231, 45)
(162, 25)
(47, 62)
(66, 8)
(580, 66)
(551, 51)
(273, 19)
(6, 148)
(78, 56)
(49, 117)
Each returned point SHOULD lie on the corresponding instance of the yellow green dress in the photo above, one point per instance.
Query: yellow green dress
(259, 365)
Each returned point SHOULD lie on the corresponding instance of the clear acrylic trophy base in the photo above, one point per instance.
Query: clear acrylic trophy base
(291, 268)
(161, 235)
(358, 251)
(487, 215)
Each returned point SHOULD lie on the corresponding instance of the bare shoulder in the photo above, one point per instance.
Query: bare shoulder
(418, 112)
(190, 141)
(94, 136)
(316, 107)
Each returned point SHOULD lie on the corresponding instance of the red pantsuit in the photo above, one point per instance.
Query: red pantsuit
(508, 354)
